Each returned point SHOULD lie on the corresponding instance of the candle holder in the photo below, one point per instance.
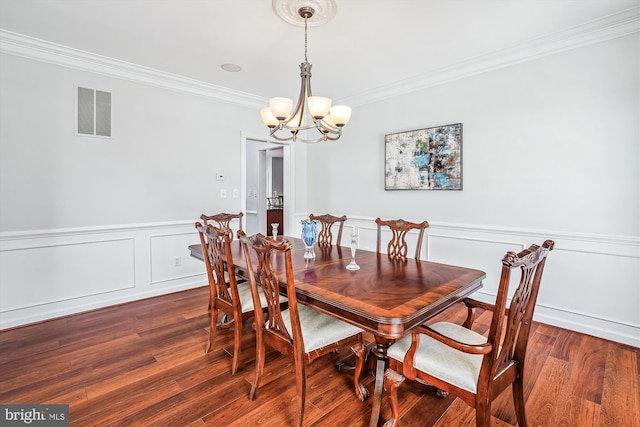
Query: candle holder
(274, 230)
(354, 246)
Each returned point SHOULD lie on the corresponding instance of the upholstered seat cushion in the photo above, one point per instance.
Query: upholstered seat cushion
(319, 329)
(442, 361)
(246, 301)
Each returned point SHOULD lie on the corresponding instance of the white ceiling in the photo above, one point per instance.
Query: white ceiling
(368, 46)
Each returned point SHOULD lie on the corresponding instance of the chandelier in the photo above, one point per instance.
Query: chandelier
(286, 123)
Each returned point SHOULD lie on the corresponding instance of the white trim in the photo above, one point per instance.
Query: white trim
(599, 30)
(288, 178)
(616, 25)
(41, 50)
(491, 229)
(65, 232)
(631, 241)
(21, 320)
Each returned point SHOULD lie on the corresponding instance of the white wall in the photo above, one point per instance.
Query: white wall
(551, 149)
(548, 144)
(160, 164)
(88, 222)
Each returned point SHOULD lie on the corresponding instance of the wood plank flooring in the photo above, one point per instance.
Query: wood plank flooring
(143, 364)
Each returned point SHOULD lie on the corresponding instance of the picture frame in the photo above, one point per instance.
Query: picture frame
(424, 159)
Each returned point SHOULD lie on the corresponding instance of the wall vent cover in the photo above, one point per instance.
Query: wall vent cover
(93, 112)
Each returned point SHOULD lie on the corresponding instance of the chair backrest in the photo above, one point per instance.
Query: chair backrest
(516, 321)
(223, 220)
(397, 247)
(265, 277)
(216, 248)
(325, 238)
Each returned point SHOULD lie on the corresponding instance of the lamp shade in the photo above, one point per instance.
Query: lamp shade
(340, 114)
(319, 106)
(328, 120)
(268, 118)
(281, 107)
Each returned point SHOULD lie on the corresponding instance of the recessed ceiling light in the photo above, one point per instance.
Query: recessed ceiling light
(231, 67)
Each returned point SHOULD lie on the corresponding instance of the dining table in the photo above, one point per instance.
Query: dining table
(387, 297)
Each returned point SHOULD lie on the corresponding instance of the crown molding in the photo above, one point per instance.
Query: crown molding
(609, 27)
(41, 50)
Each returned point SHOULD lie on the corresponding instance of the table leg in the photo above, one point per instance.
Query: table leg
(380, 352)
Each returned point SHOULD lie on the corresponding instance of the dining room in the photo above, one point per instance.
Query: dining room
(522, 119)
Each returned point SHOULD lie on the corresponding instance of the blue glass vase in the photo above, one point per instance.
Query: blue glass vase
(309, 237)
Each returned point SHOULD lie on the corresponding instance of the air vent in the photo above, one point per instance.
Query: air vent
(93, 109)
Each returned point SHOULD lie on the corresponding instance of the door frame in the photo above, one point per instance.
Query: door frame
(289, 172)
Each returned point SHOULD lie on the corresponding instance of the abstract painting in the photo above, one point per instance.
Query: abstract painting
(424, 159)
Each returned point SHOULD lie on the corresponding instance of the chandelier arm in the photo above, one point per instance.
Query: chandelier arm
(305, 77)
(273, 135)
(295, 137)
(298, 128)
(325, 127)
(311, 141)
(328, 138)
(326, 135)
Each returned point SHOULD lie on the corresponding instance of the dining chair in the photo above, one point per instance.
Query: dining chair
(224, 222)
(457, 360)
(397, 246)
(325, 238)
(299, 332)
(227, 295)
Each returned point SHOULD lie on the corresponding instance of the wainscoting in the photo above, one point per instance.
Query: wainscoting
(591, 282)
(52, 273)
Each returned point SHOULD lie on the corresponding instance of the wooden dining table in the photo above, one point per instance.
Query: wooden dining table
(386, 297)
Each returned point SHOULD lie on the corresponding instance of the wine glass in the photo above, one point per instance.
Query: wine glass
(354, 245)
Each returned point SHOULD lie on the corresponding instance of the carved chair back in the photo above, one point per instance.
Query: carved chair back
(397, 246)
(516, 320)
(224, 221)
(266, 278)
(325, 238)
(216, 245)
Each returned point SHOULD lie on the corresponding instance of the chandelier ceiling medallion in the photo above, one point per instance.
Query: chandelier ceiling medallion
(287, 123)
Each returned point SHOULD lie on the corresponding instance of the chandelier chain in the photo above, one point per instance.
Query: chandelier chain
(305, 39)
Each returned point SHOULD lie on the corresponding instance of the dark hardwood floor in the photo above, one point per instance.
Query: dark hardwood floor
(143, 363)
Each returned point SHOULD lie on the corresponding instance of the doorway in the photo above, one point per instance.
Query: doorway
(266, 169)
